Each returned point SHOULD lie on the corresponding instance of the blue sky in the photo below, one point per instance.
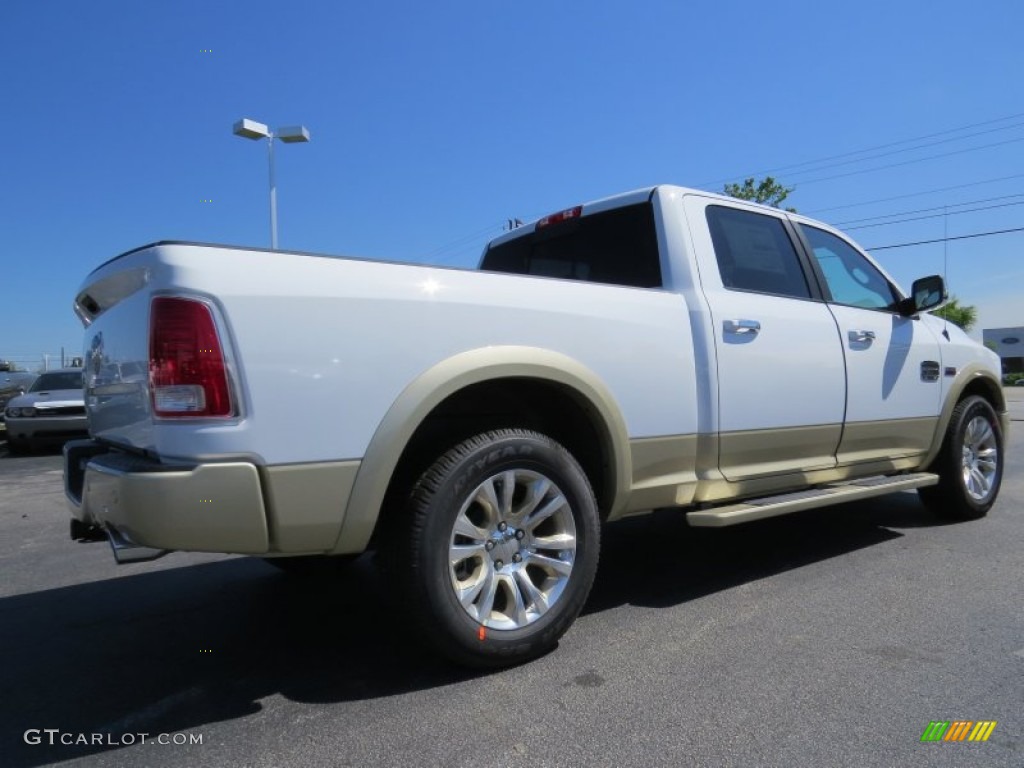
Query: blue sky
(433, 123)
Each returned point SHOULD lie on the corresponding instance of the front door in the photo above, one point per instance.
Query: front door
(893, 362)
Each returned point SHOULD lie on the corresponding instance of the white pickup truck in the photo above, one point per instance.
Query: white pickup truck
(664, 348)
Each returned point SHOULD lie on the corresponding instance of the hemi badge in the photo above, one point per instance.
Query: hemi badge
(950, 371)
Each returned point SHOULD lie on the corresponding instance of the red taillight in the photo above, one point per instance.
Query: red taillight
(187, 374)
(555, 218)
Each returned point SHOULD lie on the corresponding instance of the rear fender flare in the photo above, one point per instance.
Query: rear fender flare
(448, 377)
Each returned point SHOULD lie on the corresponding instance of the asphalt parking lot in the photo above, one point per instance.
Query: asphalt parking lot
(828, 638)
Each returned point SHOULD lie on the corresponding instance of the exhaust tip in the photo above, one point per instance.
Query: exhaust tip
(126, 551)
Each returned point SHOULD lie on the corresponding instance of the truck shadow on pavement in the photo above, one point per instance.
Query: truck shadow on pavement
(169, 651)
(658, 561)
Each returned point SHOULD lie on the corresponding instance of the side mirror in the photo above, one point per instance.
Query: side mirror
(925, 294)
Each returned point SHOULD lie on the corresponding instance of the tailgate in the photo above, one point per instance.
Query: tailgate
(160, 375)
(113, 304)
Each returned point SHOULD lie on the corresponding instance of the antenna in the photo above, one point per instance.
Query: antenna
(945, 263)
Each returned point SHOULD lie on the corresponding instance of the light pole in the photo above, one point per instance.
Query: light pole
(250, 129)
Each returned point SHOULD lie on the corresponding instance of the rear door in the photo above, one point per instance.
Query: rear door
(781, 377)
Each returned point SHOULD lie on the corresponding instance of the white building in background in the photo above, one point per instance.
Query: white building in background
(1008, 343)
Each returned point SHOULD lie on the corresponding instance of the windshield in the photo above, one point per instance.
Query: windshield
(57, 380)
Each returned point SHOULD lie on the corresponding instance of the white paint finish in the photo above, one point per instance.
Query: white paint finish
(884, 372)
(958, 350)
(790, 372)
(325, 345)
(787, 374)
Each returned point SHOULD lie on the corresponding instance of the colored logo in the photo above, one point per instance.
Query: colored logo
(958, 730)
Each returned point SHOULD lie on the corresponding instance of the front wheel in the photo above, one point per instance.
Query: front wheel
(499, 549)
(970, 464)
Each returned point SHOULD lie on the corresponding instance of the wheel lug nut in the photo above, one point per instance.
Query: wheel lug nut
(489, 546)
(517, 558)
(520, 535)
(499, 564)
(502, 526)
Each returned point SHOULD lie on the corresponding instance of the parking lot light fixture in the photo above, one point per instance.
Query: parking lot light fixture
(295, 134)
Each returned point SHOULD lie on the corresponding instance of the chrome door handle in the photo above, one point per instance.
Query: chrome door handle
(861, 337)
(750, 327)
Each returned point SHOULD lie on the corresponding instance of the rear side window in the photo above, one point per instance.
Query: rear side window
(755, 253)
(618, 246)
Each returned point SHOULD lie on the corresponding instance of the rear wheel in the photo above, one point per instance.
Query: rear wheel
(499, 548)
(970, 464)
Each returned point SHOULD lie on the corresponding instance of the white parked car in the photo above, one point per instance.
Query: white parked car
(52, 410)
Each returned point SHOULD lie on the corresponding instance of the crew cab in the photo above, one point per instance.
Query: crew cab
(663, 348)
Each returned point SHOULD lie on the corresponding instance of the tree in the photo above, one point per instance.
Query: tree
(768, 191)
(964, 315)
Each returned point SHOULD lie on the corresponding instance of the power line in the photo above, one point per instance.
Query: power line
(946, 239)
(464, 240)
(934, 216)
(918, 194)
(907, 149)
(911, 162)
(460, 243)
(926, 210)
(868, 149)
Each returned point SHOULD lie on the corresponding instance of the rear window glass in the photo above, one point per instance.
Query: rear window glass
(617, 246)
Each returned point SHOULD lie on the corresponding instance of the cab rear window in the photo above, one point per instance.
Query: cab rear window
(618, 246)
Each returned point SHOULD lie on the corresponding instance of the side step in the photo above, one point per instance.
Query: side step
(822, 496)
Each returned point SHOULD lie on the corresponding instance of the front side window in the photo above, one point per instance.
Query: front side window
(852, 280)
(755, 253)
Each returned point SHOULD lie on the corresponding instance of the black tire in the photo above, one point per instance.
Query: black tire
(17, 447)
(537, 539)
(970, 464)
(311, 566)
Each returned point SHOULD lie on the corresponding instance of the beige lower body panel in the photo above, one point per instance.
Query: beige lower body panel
(881, 440)
(306, 504)
(209, 508)
(685, 470)
(763, 452)
(664, 472)
(229, 507)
